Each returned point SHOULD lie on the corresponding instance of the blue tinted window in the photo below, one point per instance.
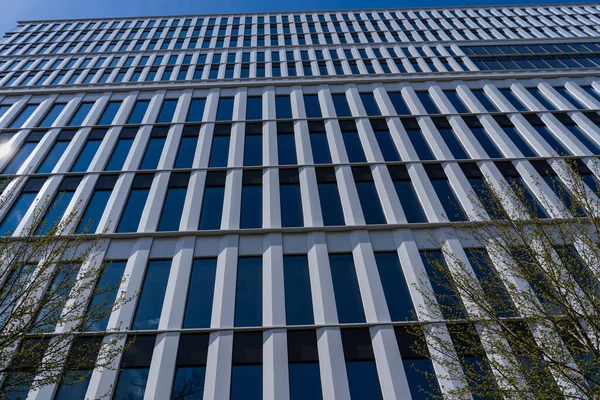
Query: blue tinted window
(74, 386)
(444, 291)
(4, 109)
(251, 213)
(225, 109)
(186, 152)
(311, 103)
(410, 201)
(387, 146)
(151, 297)
(353, 147)
(23, 116)
(196, 110)
(486, 142)
(55, 211)
(298, 300)
(246, 382)
(305, 381)
(109, 113)
(253, 150)
(420, 144)
(331, 205)
(219, 151)
(93, 212)
(484, 100)
(283, 107)
(456, 101)
(198, 308)
(131, 384)
(369, 200)
(427, 102)
(172, 209)
(189, 383)
(453, 144)
(320, 148)
(291, 205)
(53, 156)
(518, 140)
(523, 190)
(254, 107)
(340, 102)
(450, 203)
(370, 104)
(138, 112)
(554, 143)
(82, 112)
(542, 99)
(119, 155)
(133, 210)
(18, 160)
(513, 99)
(153, 152)
(105, 293)
(399, 103)
(345, 284)
(248, 297)
(363, 380)
(52, 115)
(395, 288)
(17, 211)
(167, 111)
(212, 207)
(49, 315)
(286, 149)
(86, 155)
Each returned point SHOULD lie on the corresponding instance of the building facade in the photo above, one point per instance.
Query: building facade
(268, 182)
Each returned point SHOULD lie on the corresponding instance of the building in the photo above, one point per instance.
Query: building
(267, 181)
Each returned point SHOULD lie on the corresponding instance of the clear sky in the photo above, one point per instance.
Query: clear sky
(14, 10)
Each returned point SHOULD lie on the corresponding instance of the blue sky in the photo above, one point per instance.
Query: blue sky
(14, 10)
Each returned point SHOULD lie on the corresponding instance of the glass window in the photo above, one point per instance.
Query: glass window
(413, 130)
(86, 155)
(251, 210)
(286, 145)
(340, 102)
(81, 113)
(385, 141)
(399, 103)
(23, 154)
(253, 145)
(367, 194)
(151, 297)
(78, 369)
(167, 111)
(513, 100)
(109, 113)
(352, 142)
(313, 108)
(58, 205)
(411, 205)
(198, 309)
(23, 116)
(456, 101)
(329, 196)
(254, 107)
(445, 293)
(452, 209)
(135, 366)
(417, 366)
(246, 371)
(345, 287)
(190, 366)
(52, 115)
(54, 155)
(138, 112)
(450, 138)
(515, 136)
(483, 137)
(427, 102)
(557, 146)
(154, 148)
(212, 201)
(370, 104)
(95, 207)
(298, 299)
(360, 364)
(104, 294)
(283, 107)
(484, 100)
(318, 143)
(132, 213)
(537, 94)
(225, 109)
(121, 149)
(248, 297)
(290, 198)
(196, 110)
(219, 150)
(303, 369)
(174, 201)
(187, 147)
(395, 288)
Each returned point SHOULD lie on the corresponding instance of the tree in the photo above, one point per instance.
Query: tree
(517, 314)
(54, 295)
